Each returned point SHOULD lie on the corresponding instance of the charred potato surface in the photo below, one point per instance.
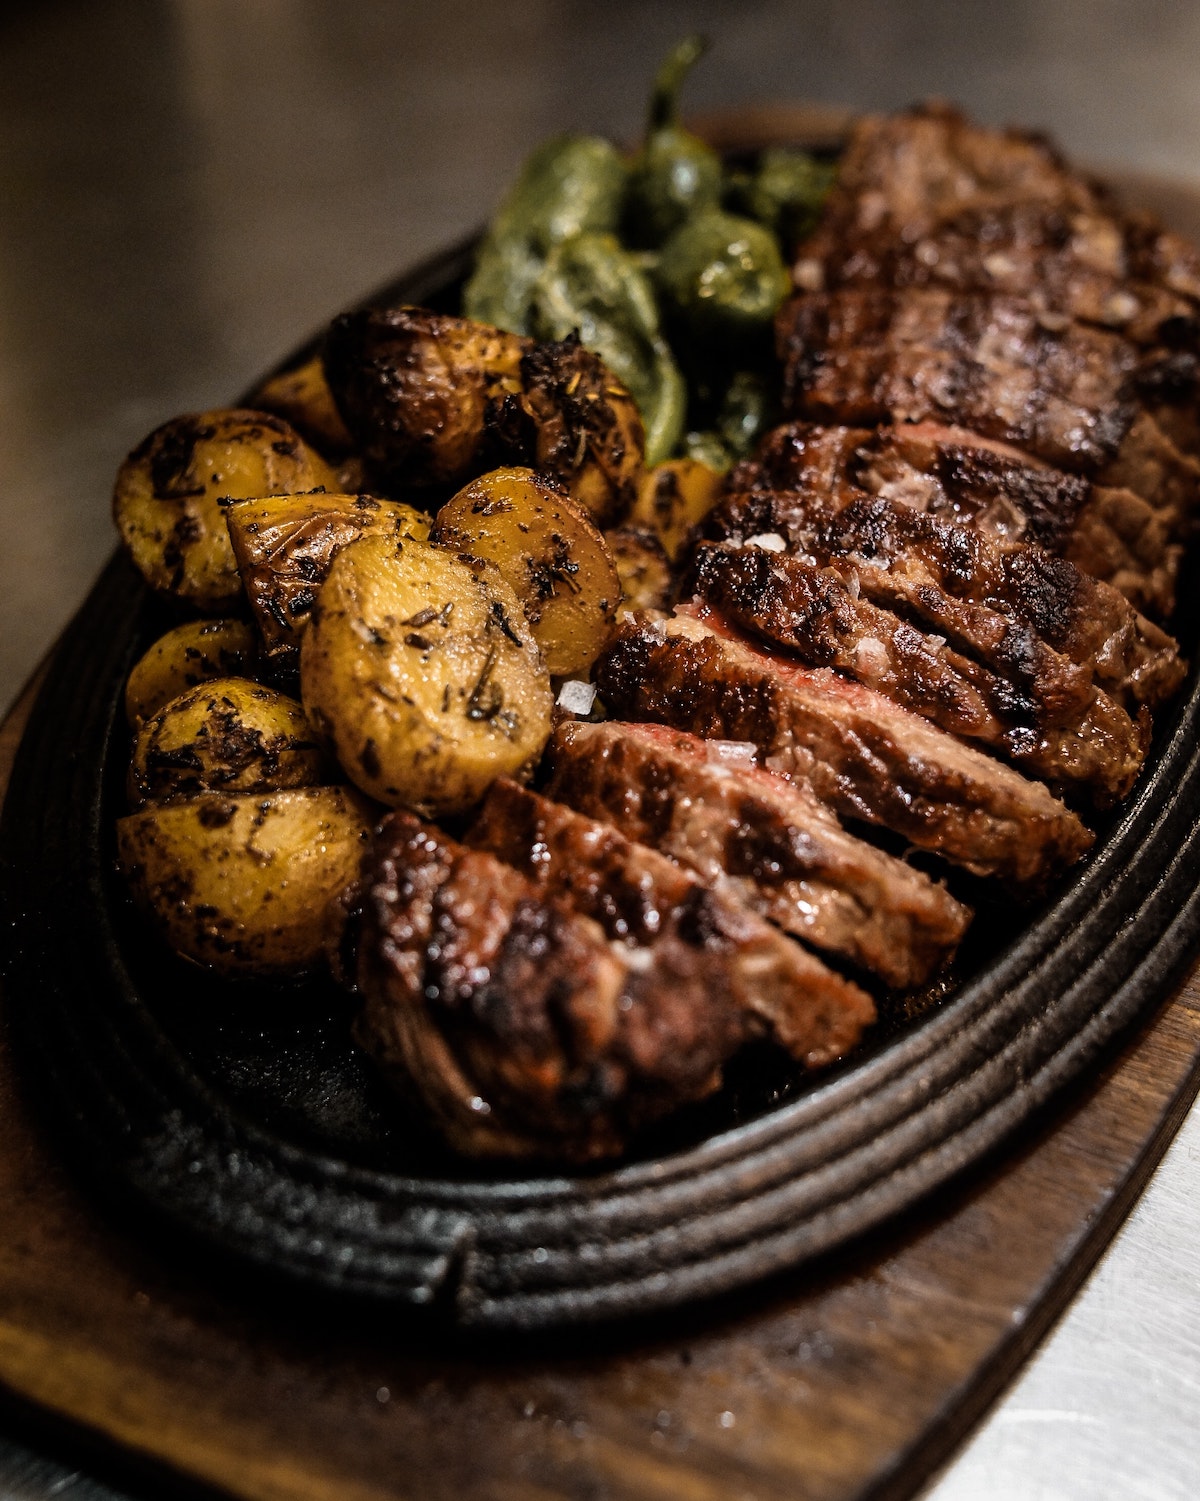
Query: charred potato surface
(423, 675)
(436, 401)
(549, 553)
(165, 502)
(284, 546)
(193, 653)
(673, 498)
(245, 884)
(642, 566)
(228, 735)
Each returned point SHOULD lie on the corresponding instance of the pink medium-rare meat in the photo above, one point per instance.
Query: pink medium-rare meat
(708, 947)
(773, 841)
(988, 363)
(523, 1029)
(826, 622)
(866, 757)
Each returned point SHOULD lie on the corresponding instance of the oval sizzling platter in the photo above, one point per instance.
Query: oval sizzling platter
(243, 1115)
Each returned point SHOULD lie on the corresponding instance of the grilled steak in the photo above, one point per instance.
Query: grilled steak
(772, 840)
(815, 613)
(521, 1027)
(708, 947)
(986, 362)
(865, 756)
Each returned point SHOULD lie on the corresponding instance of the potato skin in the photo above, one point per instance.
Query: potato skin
(302, 397)
(227, 735)
(548, 551)
(673, 498)
(165, 499)
(645, 574)
(245, 883)
(434, 401)
(285, 544)
(195, 652)
(423, 675)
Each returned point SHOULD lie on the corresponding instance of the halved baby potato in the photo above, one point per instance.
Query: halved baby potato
(284, 545)
(645, 573)
(423, 675)
(166, 498)
(246, 883)
(193, 653)
(549, 552)
(228, 735)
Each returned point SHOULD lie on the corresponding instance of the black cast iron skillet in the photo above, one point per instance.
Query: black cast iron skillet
(243, 1116)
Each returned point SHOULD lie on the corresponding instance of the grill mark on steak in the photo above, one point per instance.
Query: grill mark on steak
(814, 613)
(710, 950)
(987, 362)
(525, 1031)
(865, 756)
(1031, 617)
(772, 840)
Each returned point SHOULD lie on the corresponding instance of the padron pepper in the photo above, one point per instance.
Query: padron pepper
(570, 185)
(675, 174)
(591, 286)
(786, 192)
(722, 280)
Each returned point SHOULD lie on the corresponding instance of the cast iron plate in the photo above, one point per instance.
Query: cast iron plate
(244, 1116)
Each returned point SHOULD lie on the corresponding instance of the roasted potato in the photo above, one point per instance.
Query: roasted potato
(302, 397)
(674, 497)
(642, 566)
(192, 653)
(246, 883)
(548, 552)
(434, 401)
(423, 675)
(228, 735)
(284, 545)
(165, 501)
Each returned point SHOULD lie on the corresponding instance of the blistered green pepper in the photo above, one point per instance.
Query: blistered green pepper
(746, 411)
(722, 279)
(706, 446)
(786, 192)
(675, 174)
(569, 186)
(592, 286)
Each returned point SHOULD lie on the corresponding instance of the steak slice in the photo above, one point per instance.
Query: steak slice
(708, 947)
(990, 363)
(863, 755)
(823, 619)
(772, 840)
(522, 1029)
(1031, 617)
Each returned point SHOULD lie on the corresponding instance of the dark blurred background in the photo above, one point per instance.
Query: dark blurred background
(188, 186)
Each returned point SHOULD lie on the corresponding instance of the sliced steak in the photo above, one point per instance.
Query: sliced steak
(708, 947)
(989, 363)
(774, 841)
(865, 756)
(825, 621)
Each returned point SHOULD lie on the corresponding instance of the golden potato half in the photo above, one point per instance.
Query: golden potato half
(302, 397)
(228, 735)
(423, 675)
(165, 500)
(548, 551)
(673, 497)
(193, 653)
(284, 545)
(245, 884)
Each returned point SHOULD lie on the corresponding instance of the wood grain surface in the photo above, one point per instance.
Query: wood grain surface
(852, 1379)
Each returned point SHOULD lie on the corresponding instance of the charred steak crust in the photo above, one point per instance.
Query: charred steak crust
(771, 840)
(709, 949)
(862, 754)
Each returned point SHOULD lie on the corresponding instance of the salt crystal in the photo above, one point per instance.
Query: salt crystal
(576, 696)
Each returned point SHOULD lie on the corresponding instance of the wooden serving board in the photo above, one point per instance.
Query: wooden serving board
(851, 1379)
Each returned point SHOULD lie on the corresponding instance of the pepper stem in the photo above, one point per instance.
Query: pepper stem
(664, 100)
